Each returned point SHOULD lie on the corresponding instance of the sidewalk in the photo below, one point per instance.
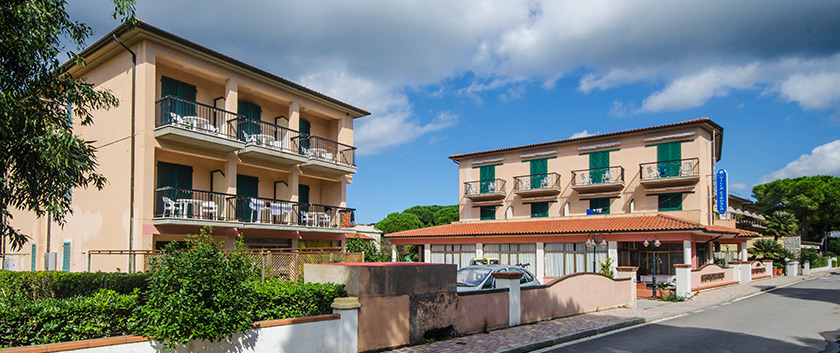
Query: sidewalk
(530, 337)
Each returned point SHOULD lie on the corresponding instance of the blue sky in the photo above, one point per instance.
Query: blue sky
(443, 77)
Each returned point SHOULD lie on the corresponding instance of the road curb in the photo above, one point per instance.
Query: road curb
(631, 322)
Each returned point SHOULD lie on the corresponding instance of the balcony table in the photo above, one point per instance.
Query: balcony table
(185, 204)
(196, 122)
(263, 139)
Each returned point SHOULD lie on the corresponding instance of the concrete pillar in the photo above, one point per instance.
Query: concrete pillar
(683, 287)
(806, 268)
(687, 253)
(628, 272)
(510, 280)
(294, 183)
(768, 266)
(393, 253)
(540, 265)
(612, 252)
(744, 269)
(479, 250)
(710, 253)
(348, 308)
(294, 116)
(427, 253)
(744, 252)
(230, 176)
(232, 95)
(792, 268)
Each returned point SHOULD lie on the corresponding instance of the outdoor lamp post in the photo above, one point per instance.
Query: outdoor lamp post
(592, 242)
(656, 244)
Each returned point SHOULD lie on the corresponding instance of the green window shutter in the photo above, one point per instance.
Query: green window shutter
(185, 91)
(173, 175)
(305, 129)
(488, 212)
(539, 209)
(246, 186)
(668, 155)
(253, 114)
(65, 261)
(670, 202)
(598, 162)
(487, 175)
(600, 206)
(303, 193)
(539, 168)
(34, 258)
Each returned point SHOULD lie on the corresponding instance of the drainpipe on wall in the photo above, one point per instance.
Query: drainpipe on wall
(131, 195)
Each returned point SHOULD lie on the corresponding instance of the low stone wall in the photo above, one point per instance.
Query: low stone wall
(759, 270)
(712, 275)
(482, 311)
(307, 334)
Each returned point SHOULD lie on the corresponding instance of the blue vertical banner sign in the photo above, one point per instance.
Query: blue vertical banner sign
(722, 188)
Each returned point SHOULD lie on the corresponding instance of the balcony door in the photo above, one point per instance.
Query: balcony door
(246, 188)
(599, 163)
(305, 128)
(176, 176)
(539, 169)
(175, 88)
(487, 175)
(668, 156)
(253, 115)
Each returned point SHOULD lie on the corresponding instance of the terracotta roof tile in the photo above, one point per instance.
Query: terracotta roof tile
(611, 224)
(747, 234)
(359, 236)
(688, 122)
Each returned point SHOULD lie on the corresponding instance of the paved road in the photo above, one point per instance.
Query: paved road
(798, 318)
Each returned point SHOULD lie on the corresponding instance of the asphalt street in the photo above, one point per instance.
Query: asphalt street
(800, 318)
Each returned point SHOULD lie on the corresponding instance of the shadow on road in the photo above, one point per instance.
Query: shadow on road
(690, 339)
(810, 291)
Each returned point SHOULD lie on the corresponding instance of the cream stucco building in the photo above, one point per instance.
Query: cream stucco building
(566, 206)
(217, 142)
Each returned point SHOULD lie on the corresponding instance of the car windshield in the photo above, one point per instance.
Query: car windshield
(472, 277)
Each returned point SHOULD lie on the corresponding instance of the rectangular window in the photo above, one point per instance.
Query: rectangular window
(670, 202)
(65, 261)
(539, 209)
(177, 178)
(599, 206)
(246, 186)
(563, 259)
(599, 163)
(668, 156)
(487, 176)
(512, 254)
(488, 212)
(452, 254)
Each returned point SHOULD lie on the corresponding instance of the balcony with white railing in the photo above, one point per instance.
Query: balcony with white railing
(482, 190)
(327, 156)
(177, 206)
(537, 185)
(198, 125)
(598, 179)
(269, 142)
(681, 172)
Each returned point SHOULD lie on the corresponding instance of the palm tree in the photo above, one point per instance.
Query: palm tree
(781, 223)
(766, 249)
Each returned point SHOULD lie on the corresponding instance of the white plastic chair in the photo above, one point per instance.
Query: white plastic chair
(208, 207)
(323, 219)
(169, 205)
(491, 187)
(585, 179)
(544, 183)
(257, 207)
(471, 190)
(309, 218)
(525, 185)
(607, 177)
(652, 172)
(280, 209)
(176, 119)
(686, 170)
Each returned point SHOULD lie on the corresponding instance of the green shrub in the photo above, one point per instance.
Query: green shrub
(812, 256)
(37, 285)
(356, 245)
(26, 322)
(281, 300)
(198, 292)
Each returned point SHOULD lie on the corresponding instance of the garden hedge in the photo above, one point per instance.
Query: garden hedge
(56, 284)
(25, 322)
(280, 300)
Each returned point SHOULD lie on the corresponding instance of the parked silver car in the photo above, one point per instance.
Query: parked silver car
(475, 278)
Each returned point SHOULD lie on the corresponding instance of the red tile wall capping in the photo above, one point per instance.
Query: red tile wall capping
(560, 226)
(688, 122)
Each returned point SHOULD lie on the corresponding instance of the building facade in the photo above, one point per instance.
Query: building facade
(217, 142)
(566, 206)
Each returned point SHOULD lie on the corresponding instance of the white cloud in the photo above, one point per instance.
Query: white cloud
(739, 186)
(375, 134)
(823, 160)
(812, 91)
(583, 133)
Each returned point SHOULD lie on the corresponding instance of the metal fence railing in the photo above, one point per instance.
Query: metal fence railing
(614, 174)
(268, 135)
(328, 150)
(480, 187)
(195, 116)
(536, 181)
(668, 169)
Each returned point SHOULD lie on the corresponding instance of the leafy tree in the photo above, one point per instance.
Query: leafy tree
(809, 198)
(357, 245)
(446, 215)
(198, 292)
(397, 222)
(42, 158)
(765, 249)
(426, 214)
(781, 223)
